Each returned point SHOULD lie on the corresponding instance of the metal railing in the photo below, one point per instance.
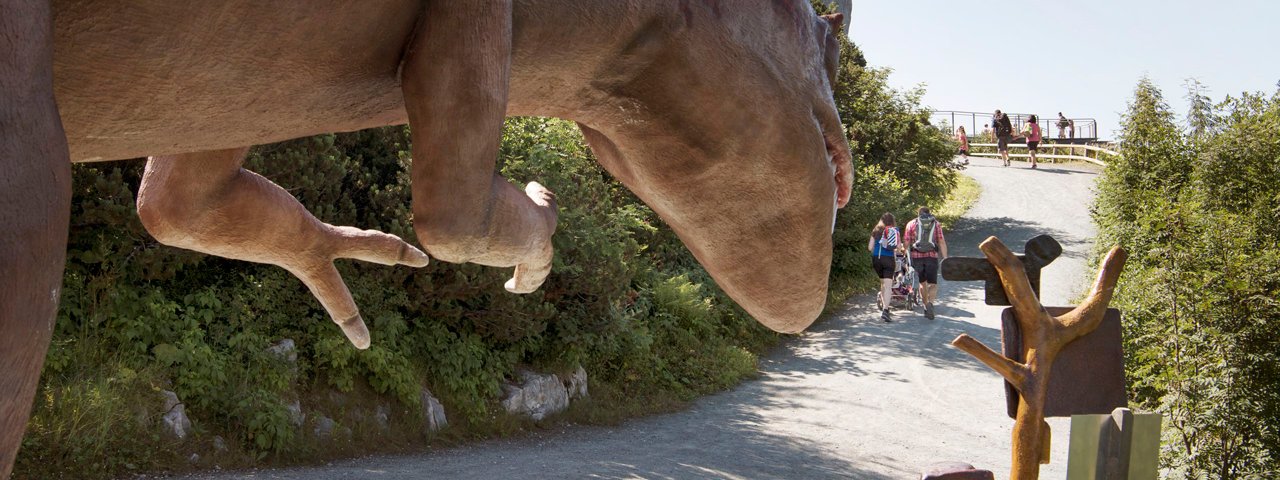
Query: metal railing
(1085, 129)
(1073, 152)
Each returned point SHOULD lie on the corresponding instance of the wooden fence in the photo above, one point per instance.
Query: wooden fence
(1051, 151)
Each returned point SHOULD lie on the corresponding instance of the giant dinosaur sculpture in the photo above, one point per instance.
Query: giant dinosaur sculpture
(717, 114)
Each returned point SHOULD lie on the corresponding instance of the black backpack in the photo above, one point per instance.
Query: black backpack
(924, 243)
(1004, 127)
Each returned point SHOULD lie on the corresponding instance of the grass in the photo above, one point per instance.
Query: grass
(959, 201)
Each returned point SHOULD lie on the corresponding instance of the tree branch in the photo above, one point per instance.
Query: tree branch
(1013, 275)
(1086, 317)
(1014, 372)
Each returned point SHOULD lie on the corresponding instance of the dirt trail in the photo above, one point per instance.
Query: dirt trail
(852, 398)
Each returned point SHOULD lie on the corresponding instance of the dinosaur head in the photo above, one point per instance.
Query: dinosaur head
(725, 125)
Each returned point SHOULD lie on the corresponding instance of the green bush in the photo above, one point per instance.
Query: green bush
(1197, 210)
(901, 162)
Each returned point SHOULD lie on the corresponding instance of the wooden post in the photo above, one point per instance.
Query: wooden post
(1043, 336)
(1119, 446)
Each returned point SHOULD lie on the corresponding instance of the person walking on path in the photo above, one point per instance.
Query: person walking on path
(884, 241)
(1033, 138)
(1004, 134)
(1062, 125)
(964, 143)
(928, 246)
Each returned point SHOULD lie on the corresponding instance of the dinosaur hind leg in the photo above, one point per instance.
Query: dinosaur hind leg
(455, 81)
(206, 202)
(35, 209)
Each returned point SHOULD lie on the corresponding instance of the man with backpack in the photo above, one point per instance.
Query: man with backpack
(1004, 134)
(923, 237)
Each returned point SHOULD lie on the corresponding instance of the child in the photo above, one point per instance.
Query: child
(964, 143)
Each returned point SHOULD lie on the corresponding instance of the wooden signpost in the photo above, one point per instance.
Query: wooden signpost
(1043, 336)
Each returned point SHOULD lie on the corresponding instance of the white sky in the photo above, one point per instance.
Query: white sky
(1080, 57)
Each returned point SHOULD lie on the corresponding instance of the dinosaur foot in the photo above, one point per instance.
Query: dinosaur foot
(530, 274)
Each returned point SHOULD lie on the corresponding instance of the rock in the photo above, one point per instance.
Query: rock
(955, 471)
(219, 445)
(337, 399)
(174, 418)
(324, 427)
(433, 412)
(296, 417)
(576, 384)
(194, 458)
(382, 415)
(536, 396)
(285, 350)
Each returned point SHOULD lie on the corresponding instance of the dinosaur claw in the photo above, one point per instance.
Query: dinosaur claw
(356, 331)
(411, 256)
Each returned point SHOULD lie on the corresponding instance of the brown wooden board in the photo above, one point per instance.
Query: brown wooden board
(1088, 375)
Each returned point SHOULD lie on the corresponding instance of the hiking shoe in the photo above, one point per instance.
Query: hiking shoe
(885, 316)
(928, 311)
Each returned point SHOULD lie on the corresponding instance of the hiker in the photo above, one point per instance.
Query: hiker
(1004, 134)
(883, 242)
(964, 143)
(924, 238)
(1033, 138)
(1062, 125)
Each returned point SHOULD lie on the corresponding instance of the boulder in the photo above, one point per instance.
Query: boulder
(296, 417)
(285, 350)
(576, 383)
(433, 412)
(536, 396)
(382, 415)
(324, 427)
(174, 418)
(219, 445)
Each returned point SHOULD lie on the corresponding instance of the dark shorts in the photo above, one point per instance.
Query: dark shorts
(964, 151)
(1032, 145)
(884, 266)
(1003, 143)
(926, 269)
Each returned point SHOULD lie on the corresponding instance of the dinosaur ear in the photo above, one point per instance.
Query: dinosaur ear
(836, 20)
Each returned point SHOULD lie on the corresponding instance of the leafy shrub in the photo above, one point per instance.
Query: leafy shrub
(1197, 211)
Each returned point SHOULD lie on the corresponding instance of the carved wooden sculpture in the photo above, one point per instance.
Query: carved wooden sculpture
(719, 115)
(1043, 336)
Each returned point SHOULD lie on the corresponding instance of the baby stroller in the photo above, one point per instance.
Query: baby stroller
(906, 286)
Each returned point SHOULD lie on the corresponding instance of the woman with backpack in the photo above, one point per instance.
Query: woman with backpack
(1033, 138)
(883, 242)
(923, 237)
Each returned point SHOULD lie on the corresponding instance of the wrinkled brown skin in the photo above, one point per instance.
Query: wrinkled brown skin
(717, 114)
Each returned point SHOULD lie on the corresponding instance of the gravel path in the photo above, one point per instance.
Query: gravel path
(852, 398)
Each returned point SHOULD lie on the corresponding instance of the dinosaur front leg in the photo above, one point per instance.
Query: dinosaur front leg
(455, 82)
(35, 209)
(207, 203)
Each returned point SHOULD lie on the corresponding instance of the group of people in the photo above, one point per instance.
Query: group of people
(1003, 133)
(1066, 125)
(922, 243)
